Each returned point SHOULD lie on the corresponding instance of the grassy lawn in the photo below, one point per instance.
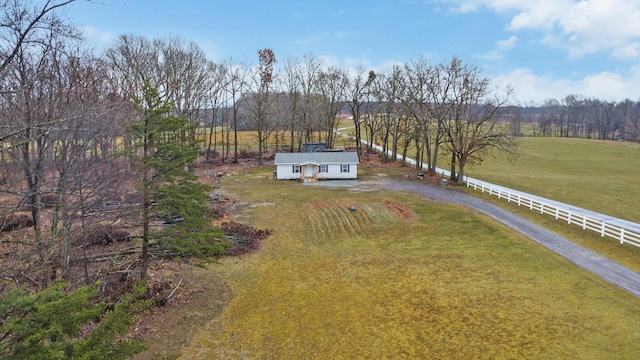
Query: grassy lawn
(596, 175)
(403, 278)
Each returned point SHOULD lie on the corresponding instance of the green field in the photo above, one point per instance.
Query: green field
(600, 176)
(403, 278)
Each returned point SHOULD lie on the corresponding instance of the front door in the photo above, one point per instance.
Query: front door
(309, 171)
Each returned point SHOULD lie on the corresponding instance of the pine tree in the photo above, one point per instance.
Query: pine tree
(164, 153)
(54, 324)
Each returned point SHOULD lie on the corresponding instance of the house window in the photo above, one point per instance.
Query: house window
(296, 169)
(324, 168)
(344, 168)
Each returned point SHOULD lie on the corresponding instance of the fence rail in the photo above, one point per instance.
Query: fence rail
(621, 230)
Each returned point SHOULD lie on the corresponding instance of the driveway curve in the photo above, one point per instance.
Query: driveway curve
(586, 259)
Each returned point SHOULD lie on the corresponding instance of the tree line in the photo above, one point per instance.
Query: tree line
(80, 130)
(579, 117)
(86, 161)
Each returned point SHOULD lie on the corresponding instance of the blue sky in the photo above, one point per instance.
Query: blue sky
(542, 48)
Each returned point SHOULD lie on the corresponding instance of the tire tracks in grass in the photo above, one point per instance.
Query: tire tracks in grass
(334, 219)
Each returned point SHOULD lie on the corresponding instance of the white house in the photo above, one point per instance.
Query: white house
(312, 166)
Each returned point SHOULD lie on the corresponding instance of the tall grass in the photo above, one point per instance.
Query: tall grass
(402, 277)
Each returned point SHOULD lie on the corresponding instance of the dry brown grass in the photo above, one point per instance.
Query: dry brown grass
(331, 283)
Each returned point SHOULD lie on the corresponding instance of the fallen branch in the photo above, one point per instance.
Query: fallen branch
(174, 290)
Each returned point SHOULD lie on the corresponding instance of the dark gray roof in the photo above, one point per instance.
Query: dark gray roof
(346, 157)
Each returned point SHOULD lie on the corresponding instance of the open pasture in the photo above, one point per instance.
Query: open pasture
(401, 277)
(596, 175)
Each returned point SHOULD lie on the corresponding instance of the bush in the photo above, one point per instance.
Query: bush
(103, 235)
(182, 242)
(15, 222)
(242, 238)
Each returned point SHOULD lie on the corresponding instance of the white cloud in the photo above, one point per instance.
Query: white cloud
(314, 38)
(507, 44)
(605, 85)
(491, 56)
(501, 47)
(536, 15)
(628, 51)
(98, 37)
(580, 27)
(329, 61)
(211, 50)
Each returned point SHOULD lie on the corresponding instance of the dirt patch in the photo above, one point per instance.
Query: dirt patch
(403, 212)
(200, 296)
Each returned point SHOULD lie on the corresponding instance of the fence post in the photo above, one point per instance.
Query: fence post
(591, 224)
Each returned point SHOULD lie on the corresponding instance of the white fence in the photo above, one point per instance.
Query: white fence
(619, 229)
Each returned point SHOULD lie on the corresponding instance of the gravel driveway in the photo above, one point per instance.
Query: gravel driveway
(586, 259)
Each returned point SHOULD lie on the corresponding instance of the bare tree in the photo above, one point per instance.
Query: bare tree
(381, 108)
(58, 106)
(291, 84)
(307, 76)
(216, 98)
(472, 124)
(78, 167)
(425, 105)
(33, 120)
(392, 92)
(551, 112)
(261, 104)
(237, 88)
(356, 93)
(184, 75)
(21, 23)
(134, 60)
(331, 85)
(629, 120)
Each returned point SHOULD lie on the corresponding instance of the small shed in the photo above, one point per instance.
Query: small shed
(312, 166)
(314, 147)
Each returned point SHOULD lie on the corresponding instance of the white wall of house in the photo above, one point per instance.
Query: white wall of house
(320, 165)
(334, 172)
(286, 171)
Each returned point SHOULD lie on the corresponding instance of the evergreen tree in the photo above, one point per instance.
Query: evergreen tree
(55, 325)
(164, 153)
